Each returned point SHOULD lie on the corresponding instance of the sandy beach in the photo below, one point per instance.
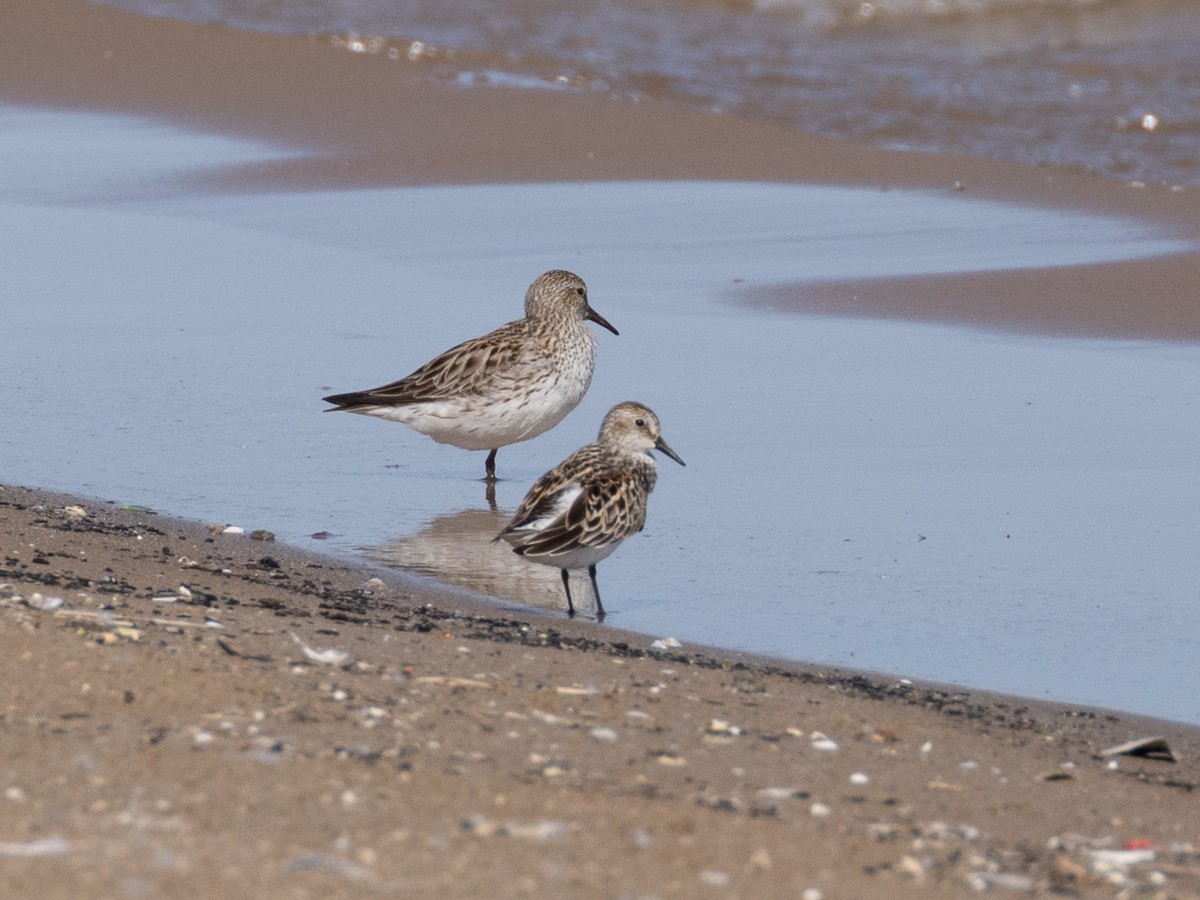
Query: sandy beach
(200, 714)
(190, 713)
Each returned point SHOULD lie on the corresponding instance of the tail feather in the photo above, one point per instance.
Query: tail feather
(350, 402)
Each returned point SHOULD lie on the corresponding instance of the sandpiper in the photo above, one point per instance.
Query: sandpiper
(507, 386)
(577, 513)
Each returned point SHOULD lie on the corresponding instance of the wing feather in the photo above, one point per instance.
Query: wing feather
(582, 503)
(461, 371)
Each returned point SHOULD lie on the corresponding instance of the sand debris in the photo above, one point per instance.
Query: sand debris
(43, 847)
(823, 744)
(544, 830)
(43, 604)
(452, 682)
(349, 870)
(1106, 861)
(1148, 747)
(576, 691)
(983, 882)
(327, 657)
(781, 793)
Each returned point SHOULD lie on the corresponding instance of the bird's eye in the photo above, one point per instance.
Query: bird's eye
(579, 291)
(640, 423)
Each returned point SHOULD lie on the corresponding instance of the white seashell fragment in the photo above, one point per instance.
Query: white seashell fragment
(1106, 861)
(667, 643)
(45, 604)
(233, 529)
(329, 657)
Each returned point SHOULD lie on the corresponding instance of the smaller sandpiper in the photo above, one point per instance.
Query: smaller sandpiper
(507, 386)
(577, 513)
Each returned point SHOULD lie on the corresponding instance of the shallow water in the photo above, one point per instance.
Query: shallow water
(1111, 87)
(1006, 512)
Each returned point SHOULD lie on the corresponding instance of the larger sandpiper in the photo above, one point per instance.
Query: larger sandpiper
(576, 514)
(507, 386)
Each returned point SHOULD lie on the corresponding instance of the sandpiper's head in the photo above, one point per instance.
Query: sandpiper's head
(635, 428)
(557, 293)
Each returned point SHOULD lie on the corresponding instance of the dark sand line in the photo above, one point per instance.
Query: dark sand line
(201, 747)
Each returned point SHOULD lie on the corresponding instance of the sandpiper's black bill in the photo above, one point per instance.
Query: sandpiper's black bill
(594, 316)
(662, 445)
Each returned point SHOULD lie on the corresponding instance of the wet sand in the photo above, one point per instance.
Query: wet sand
(198, 714)
(1148, 299)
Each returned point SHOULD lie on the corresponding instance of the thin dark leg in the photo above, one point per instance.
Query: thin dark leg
(490, 465)
(567, 586)
(596, 591)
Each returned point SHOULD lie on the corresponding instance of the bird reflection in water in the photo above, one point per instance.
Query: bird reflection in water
(457, 549)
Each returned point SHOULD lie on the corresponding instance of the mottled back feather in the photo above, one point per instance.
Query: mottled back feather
(465, 370)
(610, 508)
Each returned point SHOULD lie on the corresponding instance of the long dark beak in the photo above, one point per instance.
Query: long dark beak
(662, 445)
(599, 320)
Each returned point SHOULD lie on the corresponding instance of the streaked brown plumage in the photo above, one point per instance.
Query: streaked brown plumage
(577, 513)
(509, 385)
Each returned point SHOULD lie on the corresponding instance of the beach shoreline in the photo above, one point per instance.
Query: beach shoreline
(163, 678)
